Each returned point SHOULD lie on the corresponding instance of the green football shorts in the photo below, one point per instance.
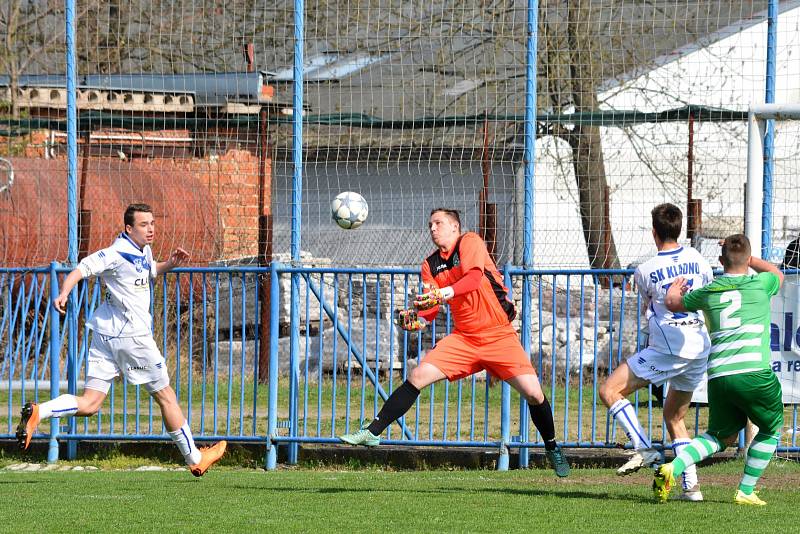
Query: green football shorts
(734, 399)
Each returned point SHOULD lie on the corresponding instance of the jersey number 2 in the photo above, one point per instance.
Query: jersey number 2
(725, 319)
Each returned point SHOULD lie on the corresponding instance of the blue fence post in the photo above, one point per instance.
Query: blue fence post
(297, 197)
(272, 408)
(505, 407)
(55, 345)
(769, 137)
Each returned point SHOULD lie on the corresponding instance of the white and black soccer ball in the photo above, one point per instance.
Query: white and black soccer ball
(349, 210)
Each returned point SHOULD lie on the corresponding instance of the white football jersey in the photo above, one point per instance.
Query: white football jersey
(125, 270)
(679, 334)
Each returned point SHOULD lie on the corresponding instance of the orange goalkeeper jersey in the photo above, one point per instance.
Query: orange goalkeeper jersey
(486, 307)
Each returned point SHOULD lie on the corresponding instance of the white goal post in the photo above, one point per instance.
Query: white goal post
(754, 193)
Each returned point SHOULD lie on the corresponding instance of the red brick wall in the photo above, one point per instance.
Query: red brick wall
(231, 179)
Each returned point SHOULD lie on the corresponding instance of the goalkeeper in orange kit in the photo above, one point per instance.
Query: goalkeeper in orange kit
(461, 273)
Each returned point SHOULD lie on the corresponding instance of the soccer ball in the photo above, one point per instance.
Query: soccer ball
(349, 210)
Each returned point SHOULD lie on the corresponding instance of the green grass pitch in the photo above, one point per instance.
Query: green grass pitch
(308, 499)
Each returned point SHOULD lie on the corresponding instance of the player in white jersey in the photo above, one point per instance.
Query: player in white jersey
(676, 352)
(122, 340)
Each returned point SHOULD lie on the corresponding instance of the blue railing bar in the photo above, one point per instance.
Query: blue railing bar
(272, 398)
(256, 350)
(7, 364)
(21, 359)
(36, 338)
(594, 365)
(378, 343)
(216, 353)
(30, 340)
(390, 442)
(4, 321)
(177, 333)
(41, 346)
(204, 367)
(335, 353)
(189, 381)
(349, 339)
(301, 439)
(320, 354)
(364, 366)
(346, 270)
(160, 437)
(306, 358)
(244, 354)
(223, 269)
(581, 325)
(164, 352)
(553, 344)
(12, 326)
(567, 348)
(228, 406)
(516, 271)
(72, 364)
(294, 342)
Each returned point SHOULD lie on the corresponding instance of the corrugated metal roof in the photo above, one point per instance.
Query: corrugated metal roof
(330, 66)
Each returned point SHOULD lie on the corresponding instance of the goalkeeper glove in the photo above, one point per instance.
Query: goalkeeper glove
(410, 321)
(433, 297)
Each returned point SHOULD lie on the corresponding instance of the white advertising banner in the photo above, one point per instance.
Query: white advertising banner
(784, 342)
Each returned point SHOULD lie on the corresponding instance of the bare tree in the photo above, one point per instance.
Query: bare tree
(28, 36)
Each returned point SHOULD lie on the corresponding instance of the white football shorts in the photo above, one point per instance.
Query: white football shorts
(683, 374)
(137, 358)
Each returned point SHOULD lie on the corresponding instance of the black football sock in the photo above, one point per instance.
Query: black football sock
(542, 416)
(396, 405)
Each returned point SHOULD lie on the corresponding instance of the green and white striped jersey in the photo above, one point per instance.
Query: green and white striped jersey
(737, 314)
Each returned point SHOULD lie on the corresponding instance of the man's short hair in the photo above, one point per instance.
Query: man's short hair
(667, 221)
(131, 210)
(453, 214)
(735, 251)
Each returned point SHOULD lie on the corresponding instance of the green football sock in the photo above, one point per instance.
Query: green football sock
(758, 456)
(697, 450)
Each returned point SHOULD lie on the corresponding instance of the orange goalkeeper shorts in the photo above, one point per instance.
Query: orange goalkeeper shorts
(497, 350)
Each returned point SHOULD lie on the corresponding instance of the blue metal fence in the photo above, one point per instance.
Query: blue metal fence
(348, 356)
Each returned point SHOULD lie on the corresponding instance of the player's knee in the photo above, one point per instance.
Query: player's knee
(608, 394)
(165, 401)
(534, 397)
(164, 396)
(416, 377)
(90, 406)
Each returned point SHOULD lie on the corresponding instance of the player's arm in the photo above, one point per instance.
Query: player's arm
(674, 297)
(763, 266)
(72, 279)
(176, 259)
(91, 265)
(644, 297)
(437, 296)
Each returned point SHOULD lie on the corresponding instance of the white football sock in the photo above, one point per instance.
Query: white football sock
(689, 477)
(623, 412)
(62, 406)
(185, 442)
